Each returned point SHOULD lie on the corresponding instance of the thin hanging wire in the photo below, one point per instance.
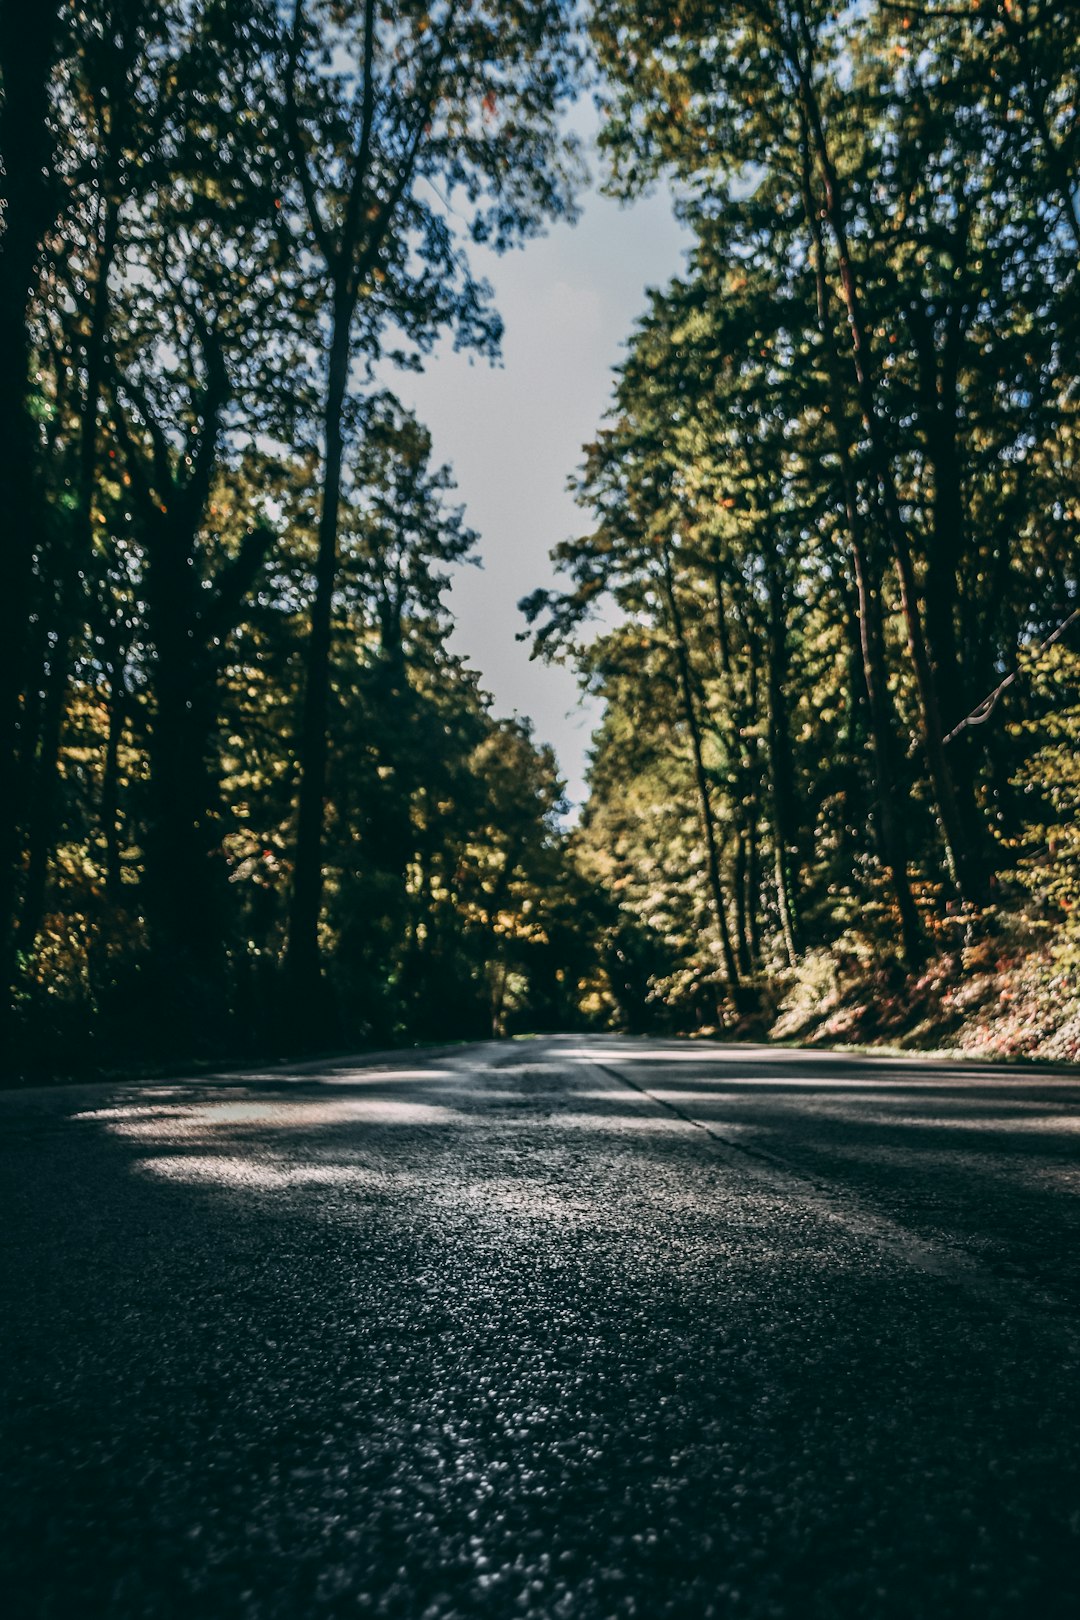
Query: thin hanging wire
(982, 711)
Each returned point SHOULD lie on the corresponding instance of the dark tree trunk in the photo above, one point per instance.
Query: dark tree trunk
(110, 787)
(871, 631)
(74, 562)
(304, 967)
(43, 821)
(964, 866)
(350, 257)
(753, 891)
(946, 555)
(856, 771)
(27, 43)
(781, 770)
(701, 780)
(746, 773)
(742, 910)
(184, 869)
(939, 411)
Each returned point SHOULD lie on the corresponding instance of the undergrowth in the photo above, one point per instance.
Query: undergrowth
(1014, 993)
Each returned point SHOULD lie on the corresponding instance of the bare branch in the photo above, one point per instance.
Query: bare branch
(367, 120)
(407, 166)
(163, 480)
(235, 580)
(982, 711)
(292, 120)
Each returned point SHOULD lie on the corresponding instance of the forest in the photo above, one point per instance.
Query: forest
(826, 588)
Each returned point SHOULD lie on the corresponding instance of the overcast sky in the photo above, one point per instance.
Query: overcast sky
(514, 435)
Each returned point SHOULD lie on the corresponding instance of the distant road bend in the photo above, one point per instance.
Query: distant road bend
(568, 1328)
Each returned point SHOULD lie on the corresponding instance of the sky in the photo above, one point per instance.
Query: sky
(513, 435)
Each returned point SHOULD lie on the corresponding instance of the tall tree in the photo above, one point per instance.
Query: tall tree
(391, 116)
(108, 112)
(30, 42)
(202, 375)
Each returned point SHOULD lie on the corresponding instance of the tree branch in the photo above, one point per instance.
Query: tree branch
(982, 711)
(292, 121)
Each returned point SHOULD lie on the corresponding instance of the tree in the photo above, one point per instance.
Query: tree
(391, 115)
(197, 380)
(29, 201)
(835, 478)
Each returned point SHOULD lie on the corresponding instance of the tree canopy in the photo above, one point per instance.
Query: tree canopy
(239, 741)
(835, 498)
(831, 519)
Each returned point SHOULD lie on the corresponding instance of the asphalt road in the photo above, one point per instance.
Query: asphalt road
(571, 1329)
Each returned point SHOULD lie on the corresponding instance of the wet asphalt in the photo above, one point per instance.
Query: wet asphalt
(576, 1327)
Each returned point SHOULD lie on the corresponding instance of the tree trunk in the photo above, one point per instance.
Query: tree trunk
(963, 863)
(183, 869)
(753, 887)
(747, 777)
(739, 885)
(304, 968)
(781, 771)
(184, 883)
(940, 412)
(27, 42)
(701, 780)
(44, 805)
(871, 632)
(43, 821)
(497, 982)
(110, 788)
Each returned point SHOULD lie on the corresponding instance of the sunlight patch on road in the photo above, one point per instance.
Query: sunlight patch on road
(178, 1120)
(633, 1054)
(1003, 1122)
(618, 1122)
(898, 1070)
(249, 1174)
(871, 1089)
(371, 1077)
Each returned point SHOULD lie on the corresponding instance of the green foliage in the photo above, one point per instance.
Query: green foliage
(1049, 779)
(228, 216)
(834, 498)
(833, 505)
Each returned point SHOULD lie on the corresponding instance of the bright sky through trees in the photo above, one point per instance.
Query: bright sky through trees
(514, 434)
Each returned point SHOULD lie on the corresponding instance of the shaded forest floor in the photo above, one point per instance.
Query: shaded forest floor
(999, 998)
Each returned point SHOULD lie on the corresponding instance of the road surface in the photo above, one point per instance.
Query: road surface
(571, 1329)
